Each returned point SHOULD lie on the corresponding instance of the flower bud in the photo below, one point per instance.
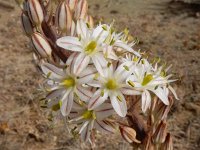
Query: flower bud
(72, 4)
(41, 45)
(128, 134)
(63, 17)
(81, 10)
(168, 144)
(26, 24)
(160, 133)
(35, 12)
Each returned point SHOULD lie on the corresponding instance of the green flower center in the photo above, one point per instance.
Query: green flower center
(89, 114)
(90, 47)
(111, 84)
(148, 78)
(69, 82)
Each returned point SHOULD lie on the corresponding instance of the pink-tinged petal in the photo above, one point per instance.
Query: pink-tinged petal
(161, 95)
(82, 29)
(55, 94)
(67, 102)
(69, 43)
(173, 92)
(70, 62)
(86, 131)
(81, 63)
(127, 90)
(146, 100)
(87, 75)
(52, 71)
(83, 93)
(54, 97)
(97, 99)
(119, 104)
(103, 111)
(126, 47)
(100, 63)
(104, 126)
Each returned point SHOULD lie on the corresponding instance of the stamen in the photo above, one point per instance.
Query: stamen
(147, 79)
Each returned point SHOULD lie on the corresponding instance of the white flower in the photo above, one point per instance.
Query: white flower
(89, 46)
(116, 43)
(63, 84)
(112, 84)
(145, 78)
(88, 120)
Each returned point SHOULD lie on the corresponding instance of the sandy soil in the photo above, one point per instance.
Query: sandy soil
(165, 30)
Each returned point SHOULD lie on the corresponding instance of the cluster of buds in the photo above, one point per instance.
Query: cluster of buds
(93, 76)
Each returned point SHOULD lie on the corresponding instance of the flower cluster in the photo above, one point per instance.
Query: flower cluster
(90, 71)
(98, 80)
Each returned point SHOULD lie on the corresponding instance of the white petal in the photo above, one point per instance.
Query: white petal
(70, 62)
(54, 97)
(121, 73)
(83, 93)
(52, 71)
(103, 111)
(82, 29)
(161, 95)
(85, 134)
(104, 126)
(119, 105)
(129, 91)
(97, 99)
(146, 100)
(87, 75)
(67, 102)
(173, 92)
(99, 34)
(81, 63)
(99, 62)
(69, 43)
(126, 47)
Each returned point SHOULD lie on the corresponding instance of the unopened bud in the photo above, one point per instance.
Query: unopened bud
(160, 134)
(35, 12)
(72, 4)
(64, 17)
(81, 10)
(128, 134)
(41, 45)
(90, 21)
(168, 144)
(26, 24)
